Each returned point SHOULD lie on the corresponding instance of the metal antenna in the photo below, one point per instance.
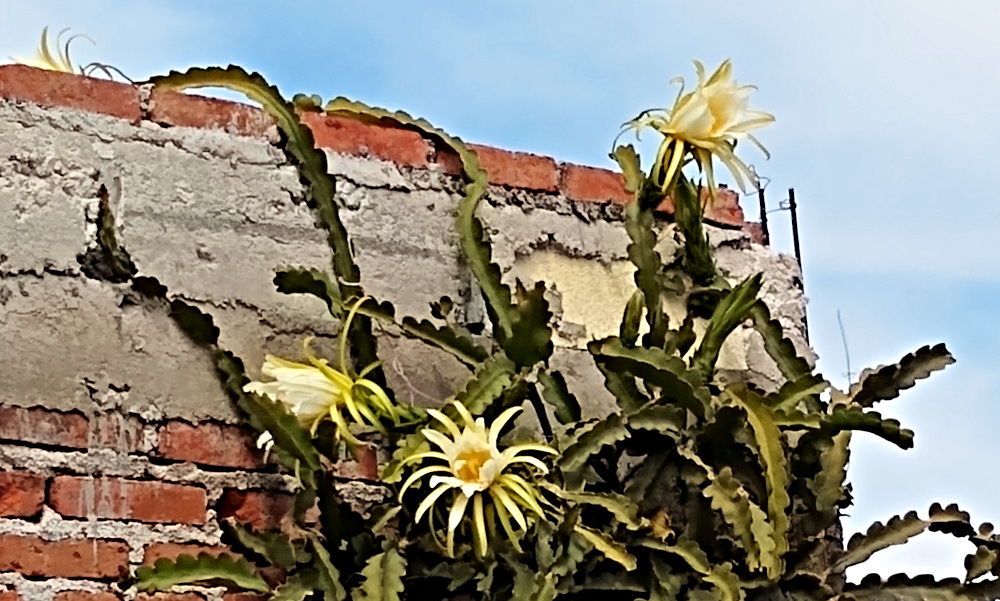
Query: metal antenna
(763, 216)
(795, 225)
(798, 252)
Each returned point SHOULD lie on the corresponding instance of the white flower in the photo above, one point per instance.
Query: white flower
(45, 59)
(708, 121)
(314, 392)
(476, 471)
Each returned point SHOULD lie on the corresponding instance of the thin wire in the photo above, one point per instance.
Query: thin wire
(847, 353)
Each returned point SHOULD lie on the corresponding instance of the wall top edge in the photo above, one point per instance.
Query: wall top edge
(405, 147)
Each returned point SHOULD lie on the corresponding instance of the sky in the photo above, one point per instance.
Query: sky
(887, 123)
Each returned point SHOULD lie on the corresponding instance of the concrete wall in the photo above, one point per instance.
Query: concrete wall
(104, 400)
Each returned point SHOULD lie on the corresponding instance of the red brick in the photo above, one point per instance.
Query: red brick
(756, 232)
(37, 425)
(169, 597)
(364, 465)
(115, 431)
(54, 428)
(32, 556)
(518, 169)
(53, 88)
(9, 596)
(119, 499)
(21, 494)
(173, 550)
(350, 136)
(725, 210)
(210, 444)
(262, 510)
(188, 110)
(86, 596)
(590, 184)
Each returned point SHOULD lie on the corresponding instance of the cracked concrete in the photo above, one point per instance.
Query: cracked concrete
(210, 216)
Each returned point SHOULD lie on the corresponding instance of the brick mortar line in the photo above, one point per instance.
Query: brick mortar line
(108, 463)
(47, 589)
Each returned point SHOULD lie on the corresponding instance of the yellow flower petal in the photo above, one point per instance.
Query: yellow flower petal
(420, 474)
(479, 523)
(454, 518)
(504, 517)
(510, 506)
(445, 421)
(429, 501)
(500, 422)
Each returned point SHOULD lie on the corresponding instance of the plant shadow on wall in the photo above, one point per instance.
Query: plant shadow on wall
(693, 489)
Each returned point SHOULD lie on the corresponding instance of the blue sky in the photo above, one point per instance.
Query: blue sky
(887, 123)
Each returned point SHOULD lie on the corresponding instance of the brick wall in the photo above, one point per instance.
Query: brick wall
(116, 445)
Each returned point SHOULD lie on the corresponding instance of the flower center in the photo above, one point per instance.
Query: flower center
(469, 462)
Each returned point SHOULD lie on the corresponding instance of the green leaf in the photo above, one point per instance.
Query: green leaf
(688, 217)
(655, 367)
(267, 415)
(455, 572)
(628, 160)
(328, 576)
(771, 453)
(407, 446)
(828, 485)
(666, 419)
(447, 338)
(721, 577)
(625, 511)
(472, 238)
(731, 311)
(748, 520)
(779, 348)
(664, 583)
(383, 574)
(442, 307)
(788, 397)
(653, 480)
(197, 325)
(487, 384)
(855, 418)
(573, 553)
(297, 586)
(679, 341)
(275, 547)
(557, 394)
(591, 441)
(920, 588)
(983, 561)
(530, 341)
(610, 549)
(205, 569)
(887, 382)
(642, 253)
(525, 586)
(310, 281)
(624, 389)
(339, 522)
(898, 530)
(116, 264)
(629, 331)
